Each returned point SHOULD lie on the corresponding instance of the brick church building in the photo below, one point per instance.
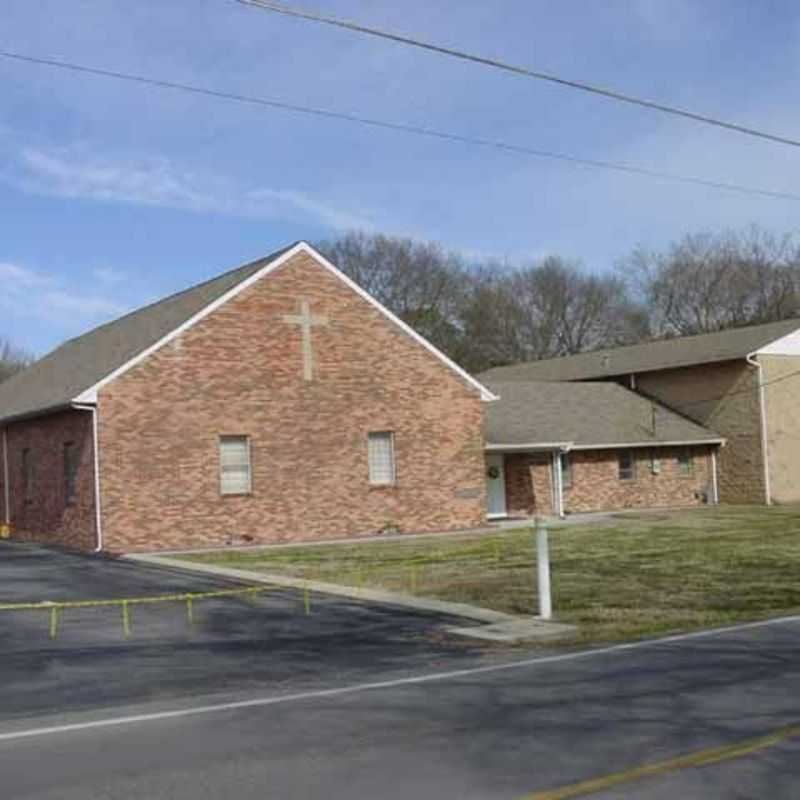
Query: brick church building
(276, 402)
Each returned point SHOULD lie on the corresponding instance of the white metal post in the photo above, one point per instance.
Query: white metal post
(543, 569)
(714, 478)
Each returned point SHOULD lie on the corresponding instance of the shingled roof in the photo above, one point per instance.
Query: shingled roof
(55, 380)
(583, 415)
(686, 351)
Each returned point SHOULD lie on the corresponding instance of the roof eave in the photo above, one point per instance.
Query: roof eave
(39, 412)
(528, 447)
(667, 443)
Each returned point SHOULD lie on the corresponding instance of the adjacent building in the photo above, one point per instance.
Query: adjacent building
(560, 448)
(743, 383)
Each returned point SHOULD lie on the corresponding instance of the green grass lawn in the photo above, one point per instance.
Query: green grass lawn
(628, 577)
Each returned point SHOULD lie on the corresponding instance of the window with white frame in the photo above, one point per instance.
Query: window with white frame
(381, 458)
(234, 465)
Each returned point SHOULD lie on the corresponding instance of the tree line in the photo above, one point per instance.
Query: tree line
(12, 359)
(483, 314)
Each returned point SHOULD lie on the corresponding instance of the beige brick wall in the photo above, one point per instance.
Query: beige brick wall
(596, 485)
(724, 398)
(239, 372)
(782, 400)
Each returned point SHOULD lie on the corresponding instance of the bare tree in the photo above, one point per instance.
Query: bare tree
(419, 281)
(567, 310)
(491, 322)
(707, 282)
(484, 315)
(12, 359)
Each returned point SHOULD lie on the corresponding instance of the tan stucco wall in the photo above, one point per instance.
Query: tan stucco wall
(782, 400)
(723, 397)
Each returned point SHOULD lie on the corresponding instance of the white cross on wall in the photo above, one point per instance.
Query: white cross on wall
(306, 320)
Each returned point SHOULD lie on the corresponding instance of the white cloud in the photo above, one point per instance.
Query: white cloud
(277, 203)
(109, 275)
(158, 182)
(29, 293)
(675, 21)
(15, 278)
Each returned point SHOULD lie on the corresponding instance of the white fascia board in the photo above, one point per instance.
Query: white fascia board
(533, 446)
(632, 445)
(788, 345)
(90, 394)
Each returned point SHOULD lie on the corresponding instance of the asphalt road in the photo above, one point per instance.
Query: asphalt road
(435, 720)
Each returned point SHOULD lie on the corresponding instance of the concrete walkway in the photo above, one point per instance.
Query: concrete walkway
(496, 626)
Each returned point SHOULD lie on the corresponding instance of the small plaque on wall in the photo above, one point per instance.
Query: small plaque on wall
(468, 494)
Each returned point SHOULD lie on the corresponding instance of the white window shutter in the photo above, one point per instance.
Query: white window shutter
(381, 458)
(234, 459)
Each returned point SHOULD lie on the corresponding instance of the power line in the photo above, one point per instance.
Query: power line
(432, 133)
(612, 94)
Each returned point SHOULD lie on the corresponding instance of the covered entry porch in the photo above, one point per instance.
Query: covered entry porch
(527, 480)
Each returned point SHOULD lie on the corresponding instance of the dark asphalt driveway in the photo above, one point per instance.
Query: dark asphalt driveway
(235, 645)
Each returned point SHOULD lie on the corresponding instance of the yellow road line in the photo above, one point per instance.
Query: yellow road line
(700, 758)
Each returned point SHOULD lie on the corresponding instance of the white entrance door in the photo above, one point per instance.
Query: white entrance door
(496, 485)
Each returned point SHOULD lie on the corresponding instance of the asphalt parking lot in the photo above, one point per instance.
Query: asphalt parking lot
(234, 646)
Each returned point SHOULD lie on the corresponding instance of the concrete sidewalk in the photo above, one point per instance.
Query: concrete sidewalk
(496, 626)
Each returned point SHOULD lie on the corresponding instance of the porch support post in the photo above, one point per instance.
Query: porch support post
(558, 488)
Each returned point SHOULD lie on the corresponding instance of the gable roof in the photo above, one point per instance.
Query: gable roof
(583, 415)
(75, 371)
(685, 351)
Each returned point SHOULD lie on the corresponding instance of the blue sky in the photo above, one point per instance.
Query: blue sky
(112, 195)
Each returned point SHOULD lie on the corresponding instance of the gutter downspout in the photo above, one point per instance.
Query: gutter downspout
(750, 358)
(98, 514)
(6, 487)
(714, 478)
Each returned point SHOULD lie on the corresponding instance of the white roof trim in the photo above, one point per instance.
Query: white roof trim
(631, 445)
(788, 345)
(532, 446)
(90, 395)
